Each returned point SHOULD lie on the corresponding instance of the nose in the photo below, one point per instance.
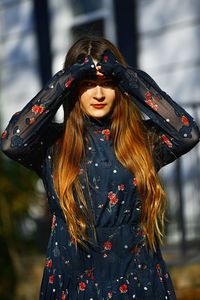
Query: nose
(98, 93)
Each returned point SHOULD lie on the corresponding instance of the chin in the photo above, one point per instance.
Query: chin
(99, 115)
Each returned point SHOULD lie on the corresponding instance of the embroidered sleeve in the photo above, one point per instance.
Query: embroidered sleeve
(177, 131)
(31, 130)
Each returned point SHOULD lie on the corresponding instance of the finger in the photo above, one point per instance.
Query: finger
(98, 68)
(99, 74)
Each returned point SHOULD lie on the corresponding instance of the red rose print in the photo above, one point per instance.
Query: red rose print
(82, 286)
(158, 267)
(63, 296)
(157, 98)
(53, 222)
(37, 109)
(166, 141)
(152, 104)
(107, 245)
(85, 60)
(17, 112)
(68, 83)
(121, 187)
(105, 58)
(110, 194)
(90, 273)
(106, 131)
(113, 198)
(109, 295)
(148, 96)
(4, 134)
(158, 270)
(123, 288)
(51, 279)
(49, 263)
(185, 120)
(31, 121)
(135, 182)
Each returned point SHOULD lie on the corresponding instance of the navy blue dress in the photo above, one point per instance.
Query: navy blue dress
(119, 265)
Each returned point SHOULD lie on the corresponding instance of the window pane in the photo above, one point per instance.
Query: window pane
(80, 7)
(19, 51)
(17, 18)
(92, 28)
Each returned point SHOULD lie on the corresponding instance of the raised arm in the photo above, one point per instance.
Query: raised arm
(31, 131)
(177, 131)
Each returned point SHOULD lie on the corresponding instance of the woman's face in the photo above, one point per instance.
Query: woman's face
(97, 97)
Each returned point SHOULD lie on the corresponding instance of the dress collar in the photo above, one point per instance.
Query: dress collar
(100, 123)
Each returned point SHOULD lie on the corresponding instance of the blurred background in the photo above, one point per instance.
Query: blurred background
(158, 36)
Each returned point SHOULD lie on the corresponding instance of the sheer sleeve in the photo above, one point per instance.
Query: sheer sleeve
(32, 130)
(176, 130)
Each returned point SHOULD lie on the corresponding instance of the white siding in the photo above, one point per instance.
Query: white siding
(169, 45)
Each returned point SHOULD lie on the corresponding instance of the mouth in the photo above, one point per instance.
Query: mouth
(98, 106)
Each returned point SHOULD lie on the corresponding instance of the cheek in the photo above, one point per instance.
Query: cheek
(83, 100)
(112, 96)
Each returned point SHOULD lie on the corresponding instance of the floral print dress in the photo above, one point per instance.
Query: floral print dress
(118, 264)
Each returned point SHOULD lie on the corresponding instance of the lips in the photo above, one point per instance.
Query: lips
(98, 106)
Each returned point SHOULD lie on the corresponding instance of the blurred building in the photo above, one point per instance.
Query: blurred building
(158, 36)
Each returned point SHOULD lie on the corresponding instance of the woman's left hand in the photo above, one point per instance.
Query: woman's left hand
(125, 77)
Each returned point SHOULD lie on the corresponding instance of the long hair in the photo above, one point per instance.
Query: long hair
(132, 144)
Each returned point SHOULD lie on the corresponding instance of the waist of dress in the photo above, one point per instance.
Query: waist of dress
(120, 238)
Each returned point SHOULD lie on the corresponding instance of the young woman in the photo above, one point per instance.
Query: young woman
(99, 169)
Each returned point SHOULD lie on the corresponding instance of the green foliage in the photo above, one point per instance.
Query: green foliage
(17, 193)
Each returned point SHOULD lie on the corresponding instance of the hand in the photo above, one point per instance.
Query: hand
(110, 67)
(98, 73)
(125, 77)
(84, 68)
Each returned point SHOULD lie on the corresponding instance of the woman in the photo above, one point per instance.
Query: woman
(99, 170)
